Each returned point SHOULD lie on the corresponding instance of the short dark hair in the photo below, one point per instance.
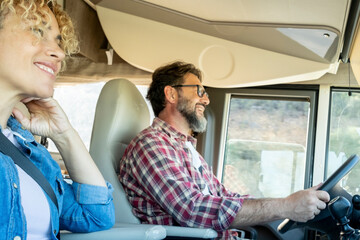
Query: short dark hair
(168, 75)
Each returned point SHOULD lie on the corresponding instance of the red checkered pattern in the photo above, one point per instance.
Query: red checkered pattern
(164, 188)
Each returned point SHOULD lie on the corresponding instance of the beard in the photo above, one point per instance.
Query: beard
(196, 123)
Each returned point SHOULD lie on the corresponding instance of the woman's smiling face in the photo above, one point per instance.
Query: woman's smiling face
(30, 57)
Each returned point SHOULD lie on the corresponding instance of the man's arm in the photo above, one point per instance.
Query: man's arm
(300, 206)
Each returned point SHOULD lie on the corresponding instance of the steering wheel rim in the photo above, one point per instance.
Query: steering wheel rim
(327, 186)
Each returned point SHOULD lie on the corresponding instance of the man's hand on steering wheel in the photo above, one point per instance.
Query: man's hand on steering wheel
(306, 204)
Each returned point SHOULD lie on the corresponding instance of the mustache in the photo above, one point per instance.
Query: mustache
(201, 104)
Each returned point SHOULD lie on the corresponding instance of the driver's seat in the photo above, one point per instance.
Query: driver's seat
(121, 113)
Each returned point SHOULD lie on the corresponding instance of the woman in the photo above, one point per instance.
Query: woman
(35, 37)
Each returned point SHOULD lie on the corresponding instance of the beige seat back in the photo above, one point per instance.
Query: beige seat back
(121, 113)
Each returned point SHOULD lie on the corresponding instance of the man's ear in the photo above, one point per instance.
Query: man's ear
(170, 94)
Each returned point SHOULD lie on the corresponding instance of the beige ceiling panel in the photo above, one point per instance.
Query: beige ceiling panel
(148, 44)
(329, 13)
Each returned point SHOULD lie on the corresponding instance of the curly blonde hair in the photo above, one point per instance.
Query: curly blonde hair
(35, 11)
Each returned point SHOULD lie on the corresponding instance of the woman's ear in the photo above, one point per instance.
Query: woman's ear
(170, 94)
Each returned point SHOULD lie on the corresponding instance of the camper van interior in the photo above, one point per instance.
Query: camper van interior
(283, 78)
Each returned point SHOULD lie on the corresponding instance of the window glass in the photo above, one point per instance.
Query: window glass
(265, 152)
(344, 136)
(79, 103)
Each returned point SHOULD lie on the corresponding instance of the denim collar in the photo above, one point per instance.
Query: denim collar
(15, 126)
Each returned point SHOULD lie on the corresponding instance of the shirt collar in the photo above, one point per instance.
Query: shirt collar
(16, 127)
(172, 132)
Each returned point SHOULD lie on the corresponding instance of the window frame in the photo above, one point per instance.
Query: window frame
(217, 129)
(332, 90)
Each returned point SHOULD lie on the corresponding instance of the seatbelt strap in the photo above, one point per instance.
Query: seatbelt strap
(19, 158)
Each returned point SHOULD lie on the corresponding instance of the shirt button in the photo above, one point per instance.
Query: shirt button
(15, 186)
(55, 232)
(17, 238)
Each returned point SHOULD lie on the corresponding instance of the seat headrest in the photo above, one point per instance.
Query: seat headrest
(121, 111)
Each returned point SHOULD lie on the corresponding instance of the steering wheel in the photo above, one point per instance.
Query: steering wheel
(330, 186)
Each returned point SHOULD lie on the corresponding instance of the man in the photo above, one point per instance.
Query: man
(167, 182)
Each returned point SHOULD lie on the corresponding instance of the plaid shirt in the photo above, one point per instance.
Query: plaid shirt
(164, 188)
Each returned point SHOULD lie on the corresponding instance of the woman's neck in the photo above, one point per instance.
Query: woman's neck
(7, 104)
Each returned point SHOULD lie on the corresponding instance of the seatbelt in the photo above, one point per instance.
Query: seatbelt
(19, 158)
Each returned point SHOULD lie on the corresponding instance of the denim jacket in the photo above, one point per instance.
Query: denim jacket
(82, 207)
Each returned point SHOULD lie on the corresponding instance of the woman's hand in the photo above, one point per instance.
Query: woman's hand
(46, 117)
(49, 120)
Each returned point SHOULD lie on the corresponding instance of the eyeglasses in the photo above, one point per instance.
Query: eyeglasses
(200, 89)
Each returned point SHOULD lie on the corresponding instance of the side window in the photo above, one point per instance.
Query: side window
(79, 103)
(267, 141)
(344, 135)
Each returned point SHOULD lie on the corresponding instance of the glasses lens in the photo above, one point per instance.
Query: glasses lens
(201, 91)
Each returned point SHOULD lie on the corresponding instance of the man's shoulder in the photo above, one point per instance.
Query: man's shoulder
(148, 140)
(147, 136)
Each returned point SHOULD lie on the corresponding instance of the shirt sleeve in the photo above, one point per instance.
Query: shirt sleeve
(164, 177)
(221, 189)
(87, 208)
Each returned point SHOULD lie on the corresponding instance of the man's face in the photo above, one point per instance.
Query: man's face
(191, 105)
